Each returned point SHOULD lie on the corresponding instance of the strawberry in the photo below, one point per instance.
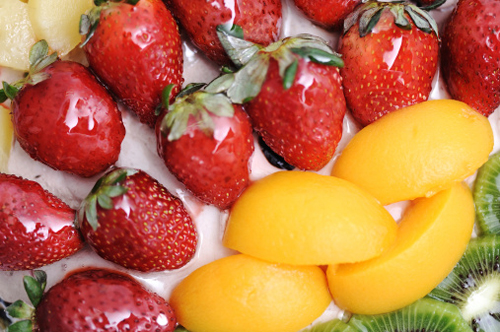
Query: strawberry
(64, 117)
(206, 142)
(292, 91)
(259, 20)
(90, 300)
(129, 218)
(329, 14)
(470, 59)
(135, 48)
(36, 228)
(390, 51)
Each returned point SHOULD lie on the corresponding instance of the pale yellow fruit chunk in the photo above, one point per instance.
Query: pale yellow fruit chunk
(308, 219)
(57, 21)
(431, 239)
(417, 151)
(6, 137)
(245, 294)
(16, 34)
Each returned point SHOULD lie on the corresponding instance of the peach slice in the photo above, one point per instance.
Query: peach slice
(304, 218)
(6, 137)
(431, 238)
(245, 294)
(417, 151)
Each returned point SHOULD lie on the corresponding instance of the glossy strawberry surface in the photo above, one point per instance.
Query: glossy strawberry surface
(102, 300)
(136, 50)
(303, 124)
(144, 228)
(213, 166)
(327, 13)
(69, 121)
(260, 21)
(470, 54)
(36, 228)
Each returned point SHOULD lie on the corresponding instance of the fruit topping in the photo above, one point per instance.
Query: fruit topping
(487, 196)
(6, 137)
(129, 218)
(329, 14)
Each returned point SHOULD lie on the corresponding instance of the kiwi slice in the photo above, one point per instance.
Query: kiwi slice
(424, 315)
(474, 284)
(487, 196)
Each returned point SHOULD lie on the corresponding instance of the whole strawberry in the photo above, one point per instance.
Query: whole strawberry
(260, 21)
(129, 218)
(135, 48)
(90, 300)
(470, 59)
(36, 228)
(390, 51)
(327, 13)
(292, 91)
(64, 117)
(206, 142)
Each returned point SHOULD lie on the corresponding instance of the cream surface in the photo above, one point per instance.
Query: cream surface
(139, 151)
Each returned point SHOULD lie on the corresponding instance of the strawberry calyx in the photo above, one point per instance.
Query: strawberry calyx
(197, 104)
(106, 188)
(90, 20)
(39, 59)
(20, 316)
(368, 14)
(253, 61)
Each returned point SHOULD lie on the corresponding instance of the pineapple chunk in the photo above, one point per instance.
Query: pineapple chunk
(57, 21)
(16, 34)
(6, 136)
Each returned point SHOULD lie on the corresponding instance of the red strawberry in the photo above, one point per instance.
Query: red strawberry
(136, 50)
(390, 51)
(129, 218)
(298, 105)
(327, 13)
(260, 21)
(64, 117)
(36, 228)
(470, 59)
(206, 143)
(91, 300)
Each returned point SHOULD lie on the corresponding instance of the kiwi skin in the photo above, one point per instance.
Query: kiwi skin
(474, 284)
(424, 315)
(487, 196)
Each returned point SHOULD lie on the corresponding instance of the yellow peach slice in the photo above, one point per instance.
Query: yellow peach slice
(431, 238)
(6, 137)
(417, 151)
(305, 218)
(245, 294)
(16, 34)
(57, 21)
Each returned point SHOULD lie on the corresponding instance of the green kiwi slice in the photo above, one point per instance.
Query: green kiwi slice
(424, 315)
(487, 196)
(474, 284)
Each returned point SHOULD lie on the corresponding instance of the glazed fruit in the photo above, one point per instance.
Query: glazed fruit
(135, 49)
(91, 300)
(469, 54)
(6, 137)
(431, 239)
(417, 151)
(260, 22)
(300, 122)
(80, 130)
(206, 142)
(238, 293)
(327, 13)
(36, 228)
(474, 283)
(56, 21)
(486, 196)
(304, 218)
(390, 51)
(16, 44)
(132, 220)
